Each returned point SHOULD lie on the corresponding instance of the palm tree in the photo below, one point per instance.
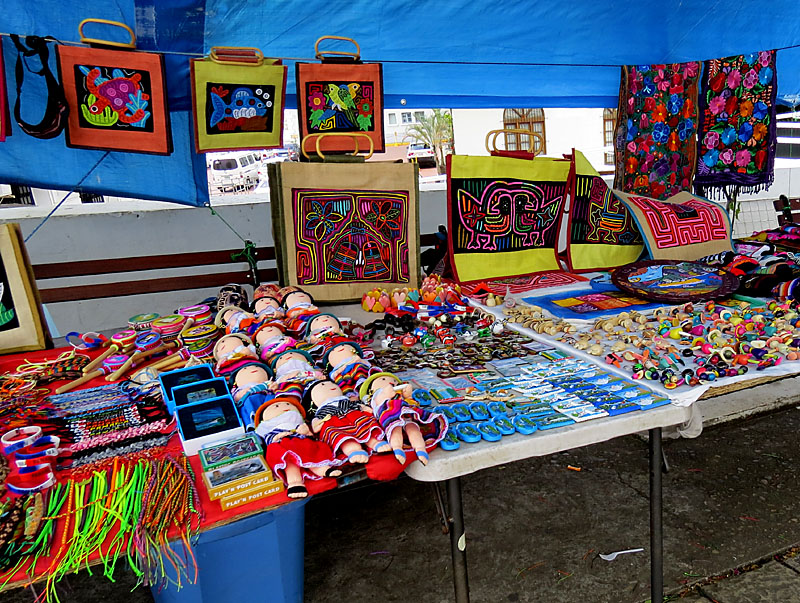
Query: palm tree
(436, 131)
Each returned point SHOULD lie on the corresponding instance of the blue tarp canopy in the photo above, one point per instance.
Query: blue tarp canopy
(436, 54)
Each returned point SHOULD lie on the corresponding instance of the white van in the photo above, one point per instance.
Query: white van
(235, 171)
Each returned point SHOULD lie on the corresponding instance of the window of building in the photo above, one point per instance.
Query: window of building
(20, 195)
(392, 119)
(524, 119)
(91, 198)
(609, 125)
(406, 118)
(418, 115)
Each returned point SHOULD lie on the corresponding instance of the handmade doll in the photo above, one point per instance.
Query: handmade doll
(322, 326)
(292, 452)
(249, 384)
(267, 290)
(267, 306)
(293, 369)
(346, 365)
(298, 307)
(343, 423)
(270, 340)
(234, 320)
(232, 350)
(399, 417)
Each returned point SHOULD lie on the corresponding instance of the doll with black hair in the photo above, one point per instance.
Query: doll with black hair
(232, 319)
(293, 370)
(232, 350)
(271, 339)
(346, 366)
(298, 308)
(346, 425)
(249, 384)
(401, 417)
(292, 452)
(267, 307)
(321, 327)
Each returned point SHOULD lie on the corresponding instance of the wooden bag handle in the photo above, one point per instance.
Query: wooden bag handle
(354, 136)
(321, 54)
(235, 55)
(85, 40)
(533, 135)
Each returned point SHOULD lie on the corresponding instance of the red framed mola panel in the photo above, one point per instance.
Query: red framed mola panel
(340, 95)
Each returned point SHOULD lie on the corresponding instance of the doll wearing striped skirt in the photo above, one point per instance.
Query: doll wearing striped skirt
(402, 420)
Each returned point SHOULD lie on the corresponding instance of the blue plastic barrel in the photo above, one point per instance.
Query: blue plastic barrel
(260, 554)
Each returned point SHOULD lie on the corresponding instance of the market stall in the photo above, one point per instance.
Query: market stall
(563, 312)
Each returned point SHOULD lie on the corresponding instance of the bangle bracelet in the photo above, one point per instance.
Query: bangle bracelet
(18, 438)
(29, 480)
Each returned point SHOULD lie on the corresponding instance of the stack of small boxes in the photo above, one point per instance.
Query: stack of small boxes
(209, 425)
(235, 472)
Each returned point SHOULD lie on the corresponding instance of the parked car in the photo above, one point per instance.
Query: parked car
(278, 155)
(234, 171)
(421, 153)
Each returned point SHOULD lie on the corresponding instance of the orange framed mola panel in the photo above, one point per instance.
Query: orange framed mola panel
(340, 94)
(117, 100)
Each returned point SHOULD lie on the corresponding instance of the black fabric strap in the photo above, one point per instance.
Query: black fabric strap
(55, 115)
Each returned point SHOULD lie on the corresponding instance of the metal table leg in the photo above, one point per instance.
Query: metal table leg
(656, 528)
(458, 540)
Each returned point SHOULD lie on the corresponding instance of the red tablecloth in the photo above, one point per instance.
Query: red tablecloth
(380, 467)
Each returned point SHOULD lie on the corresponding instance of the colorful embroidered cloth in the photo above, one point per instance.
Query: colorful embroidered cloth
(736, 140)
(656, 129)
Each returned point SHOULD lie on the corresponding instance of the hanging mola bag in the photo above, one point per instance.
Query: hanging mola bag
(340, 94)
(117, 98)
(343, 225)
(238, 99)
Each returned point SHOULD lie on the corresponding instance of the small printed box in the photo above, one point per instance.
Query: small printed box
(236, 477)
(253, 494)
(172, 379)
(197, 392)
(208, 422)
(218, 455)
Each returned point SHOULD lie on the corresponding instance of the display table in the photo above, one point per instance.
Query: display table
(449, 467)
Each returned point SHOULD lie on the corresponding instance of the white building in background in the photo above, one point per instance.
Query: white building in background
(591, 131)
(396, 123)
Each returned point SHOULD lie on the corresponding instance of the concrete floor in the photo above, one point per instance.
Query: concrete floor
(534, 528)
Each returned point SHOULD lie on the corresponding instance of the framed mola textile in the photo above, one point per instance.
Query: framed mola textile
(238, 98)
(340, 94)
(503, 215)
(21, 321)
(602, 232)
(683, 227)
(342, 227)
(117, 100)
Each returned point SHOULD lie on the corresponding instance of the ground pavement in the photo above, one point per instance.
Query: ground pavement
(535, 529)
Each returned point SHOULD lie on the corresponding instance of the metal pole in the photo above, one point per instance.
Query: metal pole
(458, 540)
(656, 528)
